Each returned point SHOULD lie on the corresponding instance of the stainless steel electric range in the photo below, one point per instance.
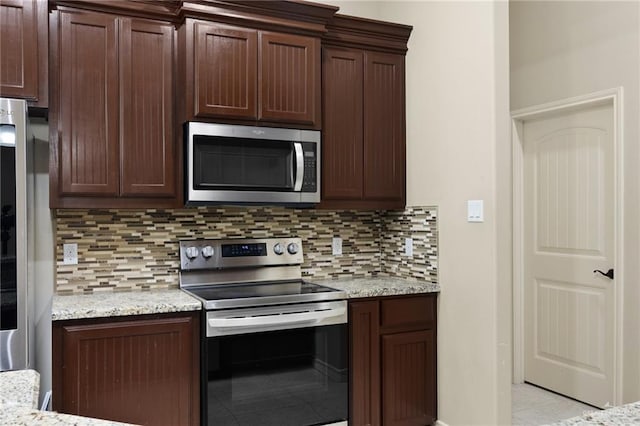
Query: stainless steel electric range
(274, 347)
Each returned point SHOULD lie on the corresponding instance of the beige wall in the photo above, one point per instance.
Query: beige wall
(457, 141)
(458, 148)
(565, 49)
(361, 8)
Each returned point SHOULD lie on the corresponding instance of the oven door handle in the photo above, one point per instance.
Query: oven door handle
(297, 186)
(313, 317)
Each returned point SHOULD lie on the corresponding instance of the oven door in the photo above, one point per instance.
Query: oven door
(294, 377)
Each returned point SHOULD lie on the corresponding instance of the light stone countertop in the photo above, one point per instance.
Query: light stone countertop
(113, 304)
(628, 414)
(19, 401)
(117, 304)
(19, 387)
(378, 286)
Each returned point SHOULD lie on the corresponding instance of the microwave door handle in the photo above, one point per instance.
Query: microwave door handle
(297, 186)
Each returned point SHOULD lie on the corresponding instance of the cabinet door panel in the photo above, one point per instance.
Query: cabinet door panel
(147, 144)
(132, 371)
(384, 150)
(225, 80)
(289, 78)
(342, 75)
(88, 109)
(364, 322)
(19, 49)
(409, 371)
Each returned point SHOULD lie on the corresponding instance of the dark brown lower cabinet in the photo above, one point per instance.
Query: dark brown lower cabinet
(393, 361)
(142, 369)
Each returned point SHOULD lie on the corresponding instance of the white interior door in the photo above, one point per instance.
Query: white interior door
(569, 232)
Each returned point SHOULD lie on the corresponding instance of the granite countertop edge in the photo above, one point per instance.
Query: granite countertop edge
(379, 286)
(118, 304)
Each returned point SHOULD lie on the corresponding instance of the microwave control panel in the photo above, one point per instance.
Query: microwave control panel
(309, 181)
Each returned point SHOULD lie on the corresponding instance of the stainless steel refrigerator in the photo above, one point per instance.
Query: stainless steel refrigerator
(16, 240)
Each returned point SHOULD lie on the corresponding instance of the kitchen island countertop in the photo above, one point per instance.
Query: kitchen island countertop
(19, 387)
(628, 414)
(19, 402)
(18, 415)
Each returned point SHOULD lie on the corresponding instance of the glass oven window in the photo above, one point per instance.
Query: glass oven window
(242, 164)
(8, 279)
(288, 377)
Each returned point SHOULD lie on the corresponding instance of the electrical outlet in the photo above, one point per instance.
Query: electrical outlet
(70, 254)
(408, 247)
(336, 246)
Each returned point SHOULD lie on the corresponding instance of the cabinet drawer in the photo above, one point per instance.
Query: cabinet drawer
(417, 312)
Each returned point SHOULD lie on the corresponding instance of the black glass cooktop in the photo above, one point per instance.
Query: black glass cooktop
(256, 294)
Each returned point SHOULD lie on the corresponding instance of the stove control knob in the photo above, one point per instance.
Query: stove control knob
(191, 252)
(207, 252)
(278, 249)
(292, 248)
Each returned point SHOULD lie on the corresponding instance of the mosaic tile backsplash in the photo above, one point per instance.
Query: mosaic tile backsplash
(138, 249)
(419, 224)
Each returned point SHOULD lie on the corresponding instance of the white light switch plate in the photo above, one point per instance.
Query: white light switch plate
(336, 246)
(475, 211)
(70, 254)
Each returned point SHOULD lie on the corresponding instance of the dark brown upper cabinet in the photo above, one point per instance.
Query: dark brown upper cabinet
(112, 113)
(24, 49)
(251, 75)
(363, 102)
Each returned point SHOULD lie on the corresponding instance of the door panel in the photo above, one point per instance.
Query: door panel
(146, 80)
(136, 371)
(569, 232)
(88, 109)
(384, 150)
(289, 88)
(225, 71)
(364, 325)
(408, 367)
(342, 139)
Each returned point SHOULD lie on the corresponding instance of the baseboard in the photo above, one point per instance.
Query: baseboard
(440, 423)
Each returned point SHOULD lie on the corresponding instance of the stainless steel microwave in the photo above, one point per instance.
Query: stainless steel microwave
(232, 164)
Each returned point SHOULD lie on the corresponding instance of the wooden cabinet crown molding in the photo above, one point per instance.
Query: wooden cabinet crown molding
(167, 10)
(369, 34)
(296, 16)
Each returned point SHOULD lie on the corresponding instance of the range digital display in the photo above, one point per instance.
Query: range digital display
(244, 250)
